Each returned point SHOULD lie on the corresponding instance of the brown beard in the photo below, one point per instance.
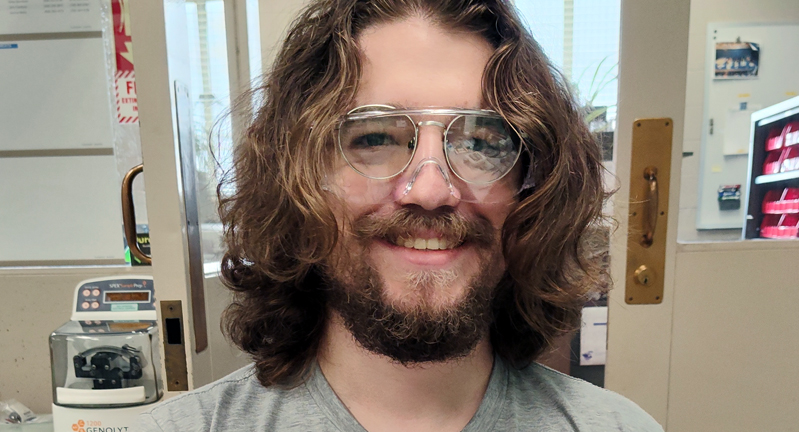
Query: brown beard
(421, 332)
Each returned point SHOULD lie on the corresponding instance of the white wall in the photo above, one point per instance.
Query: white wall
(702, 13)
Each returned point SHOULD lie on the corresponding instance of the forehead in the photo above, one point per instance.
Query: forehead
(414, 63)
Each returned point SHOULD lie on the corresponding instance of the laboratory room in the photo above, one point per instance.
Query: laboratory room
(399, 215)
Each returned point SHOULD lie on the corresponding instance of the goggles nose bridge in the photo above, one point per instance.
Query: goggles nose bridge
(442, 168)
(431, 123)
(443, 137)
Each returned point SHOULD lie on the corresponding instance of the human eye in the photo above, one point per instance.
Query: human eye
(487, 144)
(372, 140)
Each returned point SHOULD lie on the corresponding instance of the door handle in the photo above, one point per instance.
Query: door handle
(129, 214)
(651, 218)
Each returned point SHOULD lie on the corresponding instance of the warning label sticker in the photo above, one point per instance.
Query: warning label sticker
(127, 108)
(125, 79)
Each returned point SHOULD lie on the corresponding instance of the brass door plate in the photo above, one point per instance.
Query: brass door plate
(177, 377)
(650, 173)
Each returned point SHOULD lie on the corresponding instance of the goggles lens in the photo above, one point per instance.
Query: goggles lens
(479, 145)
(378, 147)
(480, 149)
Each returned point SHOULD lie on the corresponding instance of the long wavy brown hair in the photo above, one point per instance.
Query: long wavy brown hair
(280, 227)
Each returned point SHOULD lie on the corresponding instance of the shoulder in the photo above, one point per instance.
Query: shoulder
(581, 403)
(227, 402)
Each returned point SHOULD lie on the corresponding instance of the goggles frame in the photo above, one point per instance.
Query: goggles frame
(379, 110)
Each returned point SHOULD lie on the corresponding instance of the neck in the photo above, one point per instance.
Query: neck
(384, 395)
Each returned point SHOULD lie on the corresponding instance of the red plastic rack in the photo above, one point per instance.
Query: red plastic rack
(780, 226)
(782, 146)
(781, 201)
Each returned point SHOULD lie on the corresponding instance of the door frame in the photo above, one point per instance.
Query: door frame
(160, 37)
(653, 61)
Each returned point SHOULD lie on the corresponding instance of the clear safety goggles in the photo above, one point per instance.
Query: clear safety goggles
(382, 144)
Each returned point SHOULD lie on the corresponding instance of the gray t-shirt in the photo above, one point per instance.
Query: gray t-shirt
(532, 399)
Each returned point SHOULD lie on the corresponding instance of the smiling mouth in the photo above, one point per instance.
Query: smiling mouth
(414, 230)
(420, 243)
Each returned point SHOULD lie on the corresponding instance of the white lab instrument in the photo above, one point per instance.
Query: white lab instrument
(105, 361)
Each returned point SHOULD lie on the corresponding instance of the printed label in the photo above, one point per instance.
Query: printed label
(124, 307)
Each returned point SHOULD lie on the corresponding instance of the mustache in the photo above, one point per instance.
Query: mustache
(407, 222)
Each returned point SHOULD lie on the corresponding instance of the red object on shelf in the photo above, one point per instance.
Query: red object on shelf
(790, 200)
(775, 139)
(770, 201)
(773, 162)
(790, 135)
(780, 226)
(779, 201)
(790, 159)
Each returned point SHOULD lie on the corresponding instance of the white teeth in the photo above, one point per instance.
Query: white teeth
(424, 244)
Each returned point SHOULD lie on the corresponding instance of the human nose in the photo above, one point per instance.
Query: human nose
(429, 184)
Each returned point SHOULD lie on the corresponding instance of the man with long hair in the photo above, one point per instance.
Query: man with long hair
(409, 232)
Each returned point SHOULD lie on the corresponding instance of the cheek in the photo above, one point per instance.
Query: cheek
(351, 201)
(346, 186)
(358, 195)
(496, 213)
(506, 198)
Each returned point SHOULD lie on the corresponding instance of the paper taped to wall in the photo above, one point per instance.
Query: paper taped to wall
(54, 95)
(43, 16)
(594, 336)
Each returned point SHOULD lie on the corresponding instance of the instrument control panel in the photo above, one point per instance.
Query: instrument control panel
(105, 296)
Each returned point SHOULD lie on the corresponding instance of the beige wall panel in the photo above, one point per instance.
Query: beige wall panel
(735, 341)
(34, 303)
